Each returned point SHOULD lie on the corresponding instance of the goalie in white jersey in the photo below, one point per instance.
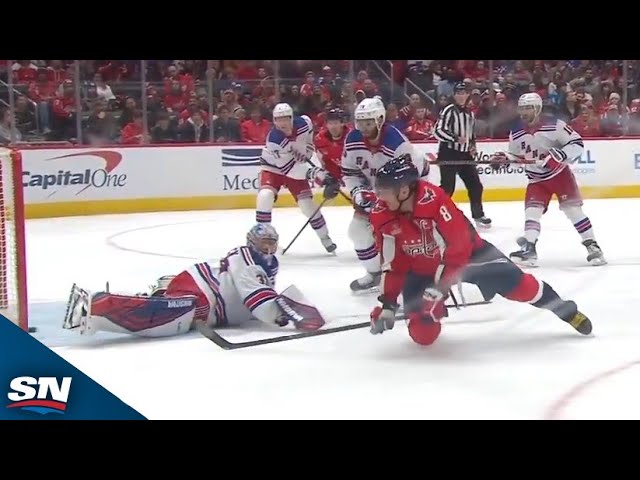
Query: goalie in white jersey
(286, 162)
(552, 145)
(368, 147)
(240, 289)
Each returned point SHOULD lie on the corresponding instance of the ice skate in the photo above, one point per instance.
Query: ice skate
(483, 222)
(527, 254)
(594, 253)
(328, 244)
(370, 280)
(569, 313)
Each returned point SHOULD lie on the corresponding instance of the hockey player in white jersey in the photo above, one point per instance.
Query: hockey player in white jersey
(240, 289)
(553, 146)
(285, 162)
(367, 148)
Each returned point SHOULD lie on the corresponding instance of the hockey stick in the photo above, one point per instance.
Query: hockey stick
(305, 225)
(212, 335)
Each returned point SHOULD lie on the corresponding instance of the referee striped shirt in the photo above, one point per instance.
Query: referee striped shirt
(455, 122)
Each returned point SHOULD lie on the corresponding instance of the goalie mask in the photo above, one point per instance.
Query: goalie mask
(263, 239)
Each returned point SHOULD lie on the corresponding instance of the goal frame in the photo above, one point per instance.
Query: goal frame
(14, 162)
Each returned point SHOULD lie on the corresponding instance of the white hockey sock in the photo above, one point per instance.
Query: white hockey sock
(362, 237)
(532, 216)
(581, 222)
(308, 207)
(264, 204)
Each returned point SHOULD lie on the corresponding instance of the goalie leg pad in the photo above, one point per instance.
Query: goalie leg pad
(141, 316)
(298, 310)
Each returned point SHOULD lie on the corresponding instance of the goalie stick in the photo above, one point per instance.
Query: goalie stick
(216, 338)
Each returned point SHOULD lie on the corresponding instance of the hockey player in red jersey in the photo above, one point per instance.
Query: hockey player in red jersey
(407, 218)
(329, 142)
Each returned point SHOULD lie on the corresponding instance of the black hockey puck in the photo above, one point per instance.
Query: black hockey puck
(33, 329)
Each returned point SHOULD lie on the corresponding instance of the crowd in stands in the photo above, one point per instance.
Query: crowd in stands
(186, 101)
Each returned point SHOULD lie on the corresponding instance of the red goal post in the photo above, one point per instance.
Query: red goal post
(13, 268)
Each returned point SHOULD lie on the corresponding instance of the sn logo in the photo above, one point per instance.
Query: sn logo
(50, 396)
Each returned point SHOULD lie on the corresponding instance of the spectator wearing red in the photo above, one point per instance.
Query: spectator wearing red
(475, 101)
(24, 72)
(247, 70)
(57, 73)
(256, 128)
(420, 127)
(407, 112)
(306, 89)
(587, 124)
(43, 91)
(64, 113)
(192, 107)
(133, 133)
(176, 99)
(185, 80)
(114, 71)
(360, 78)
(480, 72)
(194, 130)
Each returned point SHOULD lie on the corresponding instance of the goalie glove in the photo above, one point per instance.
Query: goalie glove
(554, 158)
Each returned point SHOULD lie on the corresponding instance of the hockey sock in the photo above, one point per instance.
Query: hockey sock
(532, 216)
(264, 204)
(580, 221)
(308, 207)
(369, 258)
(364, 244)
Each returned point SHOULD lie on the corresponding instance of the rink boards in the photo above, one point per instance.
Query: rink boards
(86, 181)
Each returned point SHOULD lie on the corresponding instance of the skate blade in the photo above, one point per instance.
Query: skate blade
(581, 323)
(525, 263)
(483, 227)
(597, 262)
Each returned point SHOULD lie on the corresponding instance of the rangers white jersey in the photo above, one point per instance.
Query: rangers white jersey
(240, 289)
(361, 161)
(287, 155)
(535, 144)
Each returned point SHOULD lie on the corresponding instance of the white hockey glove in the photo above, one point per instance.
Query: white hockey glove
(553, 159)
(383, 317)
(363, 198)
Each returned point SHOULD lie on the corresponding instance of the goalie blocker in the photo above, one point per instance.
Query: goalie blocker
(240, 290)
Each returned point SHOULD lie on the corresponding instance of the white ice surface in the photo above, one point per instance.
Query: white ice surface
(503, 360)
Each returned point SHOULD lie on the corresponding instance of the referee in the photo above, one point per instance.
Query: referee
(455, 132)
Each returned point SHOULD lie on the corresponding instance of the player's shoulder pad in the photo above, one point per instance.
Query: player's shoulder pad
(392, 138)
(380, 214)
(428, 194)
(320, 138)
(302, 124)
(354, 140)
(275, 136)
(548, 123)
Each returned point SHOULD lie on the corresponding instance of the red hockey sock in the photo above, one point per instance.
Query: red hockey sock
(529, 289)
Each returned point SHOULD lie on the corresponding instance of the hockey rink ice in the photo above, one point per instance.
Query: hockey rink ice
(498, 361)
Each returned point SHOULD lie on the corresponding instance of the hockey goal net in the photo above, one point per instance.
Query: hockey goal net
(13, 277)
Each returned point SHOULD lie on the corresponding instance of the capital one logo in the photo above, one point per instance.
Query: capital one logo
(41, 395)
